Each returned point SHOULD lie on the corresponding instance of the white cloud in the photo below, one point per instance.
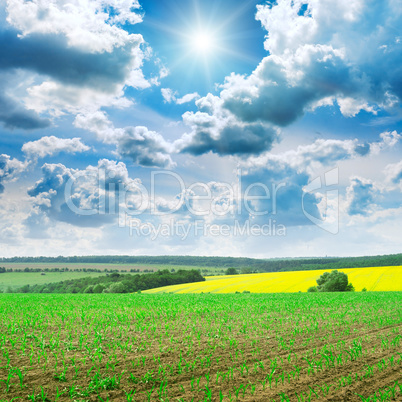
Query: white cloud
(393, 173)
(57, 99)
(350, 107)
(98, 123)
(388, 140)
(187, 98)
(87, 24)
(289, 27)
(137, 79)
(49, 146)
(10, 169)
(318, 56)
(339, 25)
(307, 157)
(77, 55)
(170, 96)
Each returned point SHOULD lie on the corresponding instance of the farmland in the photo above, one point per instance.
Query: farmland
(373, 279)
(18, 279)
(201, 347)
(15, 280)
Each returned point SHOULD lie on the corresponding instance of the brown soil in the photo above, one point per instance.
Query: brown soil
(183, 358)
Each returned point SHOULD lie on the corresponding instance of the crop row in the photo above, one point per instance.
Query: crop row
(282, 347)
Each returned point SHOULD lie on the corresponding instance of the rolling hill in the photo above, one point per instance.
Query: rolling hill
(373, 279)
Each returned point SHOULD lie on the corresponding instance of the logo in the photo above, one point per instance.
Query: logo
(329, 205)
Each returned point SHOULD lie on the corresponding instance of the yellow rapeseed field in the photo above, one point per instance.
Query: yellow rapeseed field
(374, 278)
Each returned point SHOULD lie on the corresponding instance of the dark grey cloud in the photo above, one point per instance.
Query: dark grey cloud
(13, 115)
(214, 129)
(50, 55)
(234, 139)
(144, 147)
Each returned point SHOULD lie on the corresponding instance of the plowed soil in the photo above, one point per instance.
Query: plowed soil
(201, 347)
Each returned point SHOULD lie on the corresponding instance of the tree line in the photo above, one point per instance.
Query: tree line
(116, 283)
(66, 269)
(255, 265)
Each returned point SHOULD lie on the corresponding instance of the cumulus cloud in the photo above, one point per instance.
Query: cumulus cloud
(388, 140)
(76, 56)
(317, 56)
(246, 116)
(350, 107)
(295, 168)
(88, 197)
(168, 95)
(187, 98)
(9, 169)
(280, 90)
(92, 25)
(319, 153)
(142, 146)
(325, 152)
(49, 146)
(360, 196)
(51, 56)
(214, 129)
(338, 26)
(69, 78)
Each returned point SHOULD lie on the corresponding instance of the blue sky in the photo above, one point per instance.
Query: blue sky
(266, 129)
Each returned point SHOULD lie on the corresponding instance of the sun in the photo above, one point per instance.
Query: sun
(202, 42)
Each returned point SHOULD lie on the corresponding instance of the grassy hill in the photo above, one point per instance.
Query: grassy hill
(109, 267)
(373, 279)
(16, 280)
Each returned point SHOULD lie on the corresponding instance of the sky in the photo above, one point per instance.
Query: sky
(189, 127)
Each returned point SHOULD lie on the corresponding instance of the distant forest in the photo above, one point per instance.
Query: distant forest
(116, 283)
(253, 264)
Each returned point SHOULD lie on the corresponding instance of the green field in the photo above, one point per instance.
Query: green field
(103, 267)
(201, 347)
(15, 280)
